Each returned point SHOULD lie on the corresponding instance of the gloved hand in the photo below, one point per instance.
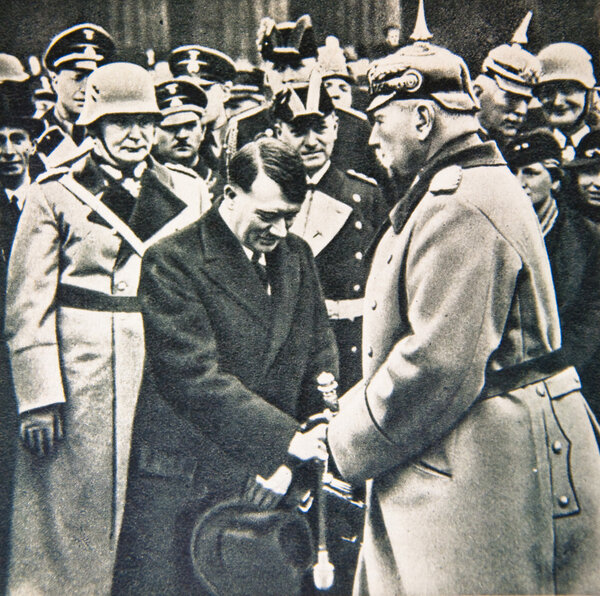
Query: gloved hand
(41, 429)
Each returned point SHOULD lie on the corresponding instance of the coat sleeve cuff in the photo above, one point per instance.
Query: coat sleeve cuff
(359, 448)
(37, 378)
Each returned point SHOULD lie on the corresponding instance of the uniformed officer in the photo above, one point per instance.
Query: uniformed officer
(214, 71)
(247, 91)
(342, 211)
(180, 133)
(337, 78)
(76, 337)
(70, 58)
(566, 92)
(504, 87)
(473, 437)
(338, 219)
(289, 52)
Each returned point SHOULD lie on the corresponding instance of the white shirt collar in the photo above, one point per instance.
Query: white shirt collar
(19, 193)
(318, 175)
(575, 138)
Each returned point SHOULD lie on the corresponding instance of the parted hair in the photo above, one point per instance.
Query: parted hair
(280, 162)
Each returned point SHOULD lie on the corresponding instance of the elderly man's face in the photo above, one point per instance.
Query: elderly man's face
(260, 218)
(502, 112)
(563, 103)
(179, 142)
(394, 138)
(127, 137)
(313, 137)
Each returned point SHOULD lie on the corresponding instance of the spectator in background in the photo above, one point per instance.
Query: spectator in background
(70, 58)
(572, 240)
(504, 87)
(180, 133)
(18, 129)
(391, 42)
(566, 92)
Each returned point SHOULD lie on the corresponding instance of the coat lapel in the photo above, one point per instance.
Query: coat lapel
(228, 267)
(283, 266)
(322, 216)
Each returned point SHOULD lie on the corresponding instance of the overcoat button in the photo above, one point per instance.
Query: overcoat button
(122, 286)
(358, 225)
(358, 256)
(356, 287)
(354, 349)
(374, 304)
(557, 446)
(563, 501)
(370, 352)
(356, 198)
(540, 390)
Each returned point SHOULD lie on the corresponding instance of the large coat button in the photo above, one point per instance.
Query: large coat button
(370, 352)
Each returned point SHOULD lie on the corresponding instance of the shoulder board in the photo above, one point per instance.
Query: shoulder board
(362, 177)
(176, 167)
(446, 181)
(52, 174)
(353, 112)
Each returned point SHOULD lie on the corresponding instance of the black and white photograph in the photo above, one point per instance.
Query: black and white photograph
(299, 298)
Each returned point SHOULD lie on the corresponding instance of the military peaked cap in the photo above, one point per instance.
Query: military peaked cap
(422, 71)
(86, 46)
(206, 65)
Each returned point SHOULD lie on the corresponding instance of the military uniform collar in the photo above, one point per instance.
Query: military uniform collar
(465, 151)
(318, 175)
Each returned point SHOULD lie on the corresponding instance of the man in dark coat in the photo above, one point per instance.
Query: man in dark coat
(237, 334)
(17, 131)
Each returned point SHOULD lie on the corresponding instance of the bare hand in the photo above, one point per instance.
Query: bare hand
(41, 429)
(310, 445)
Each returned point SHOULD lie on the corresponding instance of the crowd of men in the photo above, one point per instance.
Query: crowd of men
(186, 247)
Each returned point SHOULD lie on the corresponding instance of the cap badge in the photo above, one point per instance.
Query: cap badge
(89, 34)
(175, 102)
(90, 52)
(193, 65)
(593, 152)
(172, 88)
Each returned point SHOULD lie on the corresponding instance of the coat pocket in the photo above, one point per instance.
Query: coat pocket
(162, 464)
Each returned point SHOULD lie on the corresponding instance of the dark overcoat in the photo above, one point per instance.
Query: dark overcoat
(229, 372)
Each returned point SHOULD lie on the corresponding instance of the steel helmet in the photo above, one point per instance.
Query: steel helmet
(118, 88)
(567, 61)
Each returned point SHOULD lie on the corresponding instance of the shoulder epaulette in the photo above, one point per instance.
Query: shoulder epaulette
(446, 181)
(177, 167)
(362, 177)
(52, 174)
(353, 112)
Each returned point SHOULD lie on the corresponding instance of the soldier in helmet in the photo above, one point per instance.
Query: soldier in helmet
(289, 52)
(75, 334)
(473, 435)
(69, 59)
(504, 87)
(566, 90)
(180, 133)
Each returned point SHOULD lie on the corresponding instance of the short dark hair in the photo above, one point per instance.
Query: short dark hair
(280, 162)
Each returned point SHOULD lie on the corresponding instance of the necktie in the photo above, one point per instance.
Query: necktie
(260, 269)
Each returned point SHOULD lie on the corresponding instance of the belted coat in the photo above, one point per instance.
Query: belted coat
(72, 253)
(470, 490)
